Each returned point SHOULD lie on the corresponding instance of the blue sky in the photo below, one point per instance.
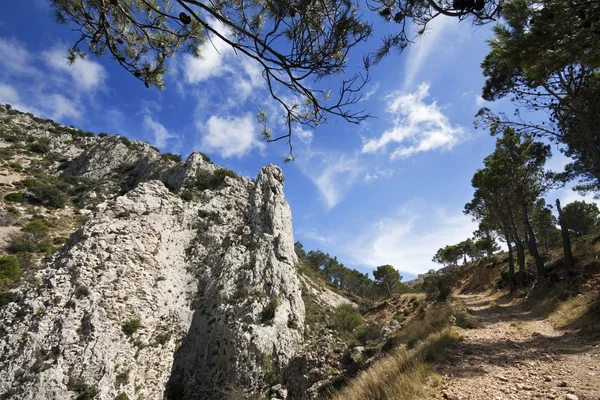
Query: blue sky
(388, 191)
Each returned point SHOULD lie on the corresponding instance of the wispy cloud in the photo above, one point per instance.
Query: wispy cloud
(45, 84)
(87, 75)
(333, 174)
(418, 126)
(379, 173)
(315, 235)
(16, 59)
(409, 239)
(158, 131)
(230, 136)
(422, 51)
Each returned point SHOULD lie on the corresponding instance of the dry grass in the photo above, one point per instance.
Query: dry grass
(575, 313)
(407, 371)
(403, 375)
(434, 319)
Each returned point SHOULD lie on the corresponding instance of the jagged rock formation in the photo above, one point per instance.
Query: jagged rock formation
(155, 296)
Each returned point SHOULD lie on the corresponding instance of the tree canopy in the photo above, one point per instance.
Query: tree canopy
(582, 217)
(296, 44)
(546, 58)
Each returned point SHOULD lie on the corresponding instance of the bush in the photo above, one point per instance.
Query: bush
(7, 297)
(39, 147)
(9, 268)
(268, 313)
(368, 333)
(172, 157)
(125, 141)
(16, 197)
(37, 228)
(103, 134)
(345, 319)
(83, 390)
(187, 195)
(16, 166)
(207, 180)
(22, 242)
(130, 327)
(438, 287)
(122, 396)
(48, 191)
(205, 157)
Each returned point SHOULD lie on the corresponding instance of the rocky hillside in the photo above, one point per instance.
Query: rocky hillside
(177, 279)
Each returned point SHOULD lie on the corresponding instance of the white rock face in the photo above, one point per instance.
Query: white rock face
(157, 297)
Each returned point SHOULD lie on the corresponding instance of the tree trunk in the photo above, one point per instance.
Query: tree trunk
(511, 264)
(564, 230)
(518, 245)
(591, 145)
(531, 244)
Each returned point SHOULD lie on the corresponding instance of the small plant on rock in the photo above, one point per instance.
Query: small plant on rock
(131, 326)
(268, 313)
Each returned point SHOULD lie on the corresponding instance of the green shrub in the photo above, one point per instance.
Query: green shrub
(83, 390)
(82, 291)
(46, 246)
(37, 227)
(398, 317)
(268, 313)
(368, 333)
(187, 195)
(208, 180)
(172, 157)
(345, 319)
(103, 134)
(125, 141)
(122, 396)
(60, 240)
(6, 297)
(15, 197)
(48, 191)
(16, 166)
(122, 378)
(9, 268)
(88, 134)
(131, 326)
(438, 286)
(22, 242)
(40, 147)
(205, 157)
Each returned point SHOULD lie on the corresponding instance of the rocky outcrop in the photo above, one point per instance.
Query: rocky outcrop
(158, 297)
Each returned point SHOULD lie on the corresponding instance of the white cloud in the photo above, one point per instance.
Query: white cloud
(409, 239)
(314, 235)
(8, 94)
(379, 174)
(15, 58)
(87, 75)
(422, 51)
(158, 131)
(368, 94)
(210, 64)
(231, 136)
(333, 174)
(60, 107)
(418, 126)
(304, 135)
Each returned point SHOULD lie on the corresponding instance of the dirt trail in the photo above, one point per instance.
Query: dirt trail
(514, 355)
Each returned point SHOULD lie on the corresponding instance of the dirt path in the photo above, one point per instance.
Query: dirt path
(514, 355)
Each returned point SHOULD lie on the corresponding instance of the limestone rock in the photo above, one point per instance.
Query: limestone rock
(154, 296)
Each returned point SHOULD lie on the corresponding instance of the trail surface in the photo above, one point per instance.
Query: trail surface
(514, 355)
